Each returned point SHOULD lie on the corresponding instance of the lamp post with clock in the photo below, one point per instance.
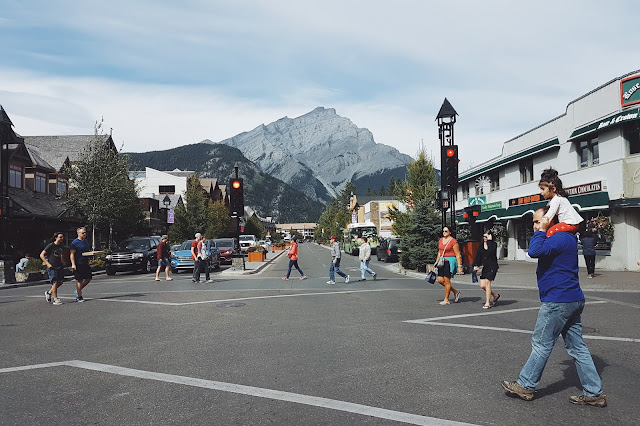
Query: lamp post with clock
(446, 118)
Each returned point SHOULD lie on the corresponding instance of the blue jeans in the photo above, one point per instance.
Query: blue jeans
(555, 319)
(335, 268)
(293, 263)
(364, 267)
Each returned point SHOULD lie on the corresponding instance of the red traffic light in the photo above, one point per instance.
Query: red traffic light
(236, 184)
(451, 152)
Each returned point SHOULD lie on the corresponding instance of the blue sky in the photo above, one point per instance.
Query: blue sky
(165, 74)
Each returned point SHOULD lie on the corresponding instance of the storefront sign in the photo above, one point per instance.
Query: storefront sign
(630, 90)
(584, 189)
(354, 218)
(491, 206)
(476, 201)
(619, 118)
(525, 200)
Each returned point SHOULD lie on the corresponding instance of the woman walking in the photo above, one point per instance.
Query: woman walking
(589, 252)
(449, 250)
(487, 261)
(52, 257)
(293, 259)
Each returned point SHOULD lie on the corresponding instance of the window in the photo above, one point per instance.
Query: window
(495, 181)
(166, 189)
(41, 182)
(15, 176)
(526, 170)
(631, 132)
(589, 152)
(465, 190)
(61, 187)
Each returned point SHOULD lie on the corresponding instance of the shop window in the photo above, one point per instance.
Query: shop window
(41, 182)
(524, 232)
(15, 176)
(465, 190)
(166, 189)
(589, 152)
(526, 170)
(631, 133)
(495, 181)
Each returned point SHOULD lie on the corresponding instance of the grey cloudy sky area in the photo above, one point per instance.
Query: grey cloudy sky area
(165, 74)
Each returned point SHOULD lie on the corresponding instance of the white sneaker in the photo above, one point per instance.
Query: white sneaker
(346, 280)
(47, 296)
(331, 282)
(57, 302)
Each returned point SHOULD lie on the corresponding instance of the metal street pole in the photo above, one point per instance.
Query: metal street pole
(446, 118)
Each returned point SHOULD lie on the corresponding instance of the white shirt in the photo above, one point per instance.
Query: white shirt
(561, 207)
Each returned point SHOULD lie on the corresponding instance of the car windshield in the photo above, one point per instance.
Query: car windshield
(224, 243)
(186, 245)
(247, 237)
(394, 243)
(134, 245)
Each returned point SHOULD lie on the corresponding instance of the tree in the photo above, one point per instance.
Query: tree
(336, 215)
(218, 220)
(100, 189)
(254, 227)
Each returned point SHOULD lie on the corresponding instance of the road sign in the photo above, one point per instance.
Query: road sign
(477, 201)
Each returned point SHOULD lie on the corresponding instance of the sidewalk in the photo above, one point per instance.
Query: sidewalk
(253, 267)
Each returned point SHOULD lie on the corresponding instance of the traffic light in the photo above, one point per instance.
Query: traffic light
(236, 197)
(442, 199)
(450, 165)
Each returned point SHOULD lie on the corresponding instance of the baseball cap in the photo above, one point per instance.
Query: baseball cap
(198, 235)
(333, 237)
(164, 237)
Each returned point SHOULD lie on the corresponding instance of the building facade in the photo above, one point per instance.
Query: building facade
(595, 146)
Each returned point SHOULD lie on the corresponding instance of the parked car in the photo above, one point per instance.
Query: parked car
(247, 241)
(264, 243)
(226, 247)
(181, 259)
(175, 247)
(389, 250)
(133, 254)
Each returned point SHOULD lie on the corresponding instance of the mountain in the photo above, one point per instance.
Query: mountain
(319, 152)
(266, 194)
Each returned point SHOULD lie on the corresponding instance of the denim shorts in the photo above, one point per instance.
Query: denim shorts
(56, 274)
(164, 262)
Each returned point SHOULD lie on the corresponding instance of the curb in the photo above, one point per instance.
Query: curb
(42, 282)
(252, 271)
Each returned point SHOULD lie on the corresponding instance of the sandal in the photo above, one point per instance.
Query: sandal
(445, 302)
(495, 299)
(457, 297)
(486, 306)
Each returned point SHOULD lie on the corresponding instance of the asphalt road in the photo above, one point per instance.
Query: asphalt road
(255, 350)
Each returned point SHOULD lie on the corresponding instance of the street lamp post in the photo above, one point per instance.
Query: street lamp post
(446, 119)
(166, 201)
(7, 273)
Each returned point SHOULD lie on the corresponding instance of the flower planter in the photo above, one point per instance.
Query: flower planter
(256, 256)
(279, 248)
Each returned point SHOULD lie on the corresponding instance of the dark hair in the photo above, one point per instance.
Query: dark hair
(55, 235)
(550, 179)
(489, 232)
(365, 239)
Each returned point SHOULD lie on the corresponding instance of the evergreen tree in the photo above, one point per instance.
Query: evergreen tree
(336, 215)
(254, 227)
(219, 220)
(100, 189)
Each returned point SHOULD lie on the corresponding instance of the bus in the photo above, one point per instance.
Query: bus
(356, 230)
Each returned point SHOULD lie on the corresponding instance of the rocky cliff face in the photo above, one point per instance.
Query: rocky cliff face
(317, 152)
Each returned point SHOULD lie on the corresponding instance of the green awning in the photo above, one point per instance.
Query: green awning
(625, 203)
(612, 120)
(553, 143)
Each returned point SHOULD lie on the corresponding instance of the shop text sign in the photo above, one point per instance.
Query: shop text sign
(491, 206)
(584, 189)
(525, 200)
(630, 90)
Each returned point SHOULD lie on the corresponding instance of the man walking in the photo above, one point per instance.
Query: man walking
(196, 258)
(562, 304)
(164, 258)
(80, 263)
(335, 262)
(365, 258)
(293, 259)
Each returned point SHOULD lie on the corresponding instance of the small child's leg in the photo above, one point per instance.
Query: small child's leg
(562, 227)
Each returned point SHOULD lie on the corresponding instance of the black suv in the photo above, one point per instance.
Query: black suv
(388, 250)
(134, 254)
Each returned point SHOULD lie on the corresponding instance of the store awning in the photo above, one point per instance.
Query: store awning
(499, 162)
(592, 201)
(612, 120)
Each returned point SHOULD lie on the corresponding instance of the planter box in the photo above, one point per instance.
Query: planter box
(256, 256)
(22, 277)
(279, 248)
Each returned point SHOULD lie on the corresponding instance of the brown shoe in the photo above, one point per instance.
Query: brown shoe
(516, 389)
(596, 401)
(375, 277)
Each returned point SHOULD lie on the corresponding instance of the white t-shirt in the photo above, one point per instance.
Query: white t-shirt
(561, 207)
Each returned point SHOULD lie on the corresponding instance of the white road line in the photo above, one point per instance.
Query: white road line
(277, 395)
(32, 367)
(515, 330)
(496, 312)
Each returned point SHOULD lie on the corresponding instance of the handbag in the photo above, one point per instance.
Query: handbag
(431, 277)
(474, 276)
(440, 262)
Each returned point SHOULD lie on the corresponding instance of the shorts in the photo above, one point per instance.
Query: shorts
(488, 274)
(164, 262)
(56, 274)
(444, 270)
(82, 272)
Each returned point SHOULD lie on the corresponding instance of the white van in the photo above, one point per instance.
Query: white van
(247, 241)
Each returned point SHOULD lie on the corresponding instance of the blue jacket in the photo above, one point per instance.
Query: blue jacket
(589, 246)
(557, 266)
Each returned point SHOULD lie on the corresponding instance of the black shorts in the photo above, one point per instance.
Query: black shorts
(488, 274)
(445, 270)
(82, 272)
